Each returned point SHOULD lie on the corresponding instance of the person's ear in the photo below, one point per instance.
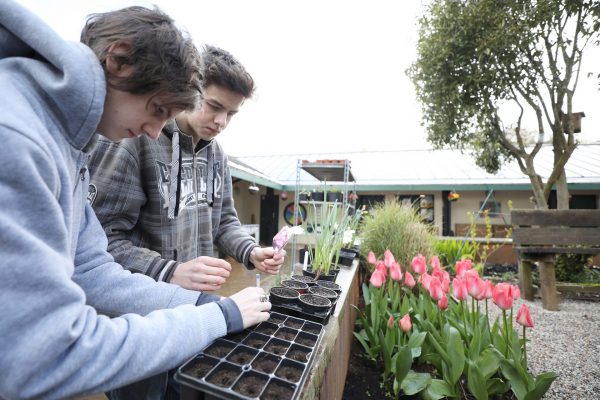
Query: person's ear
(112, 65)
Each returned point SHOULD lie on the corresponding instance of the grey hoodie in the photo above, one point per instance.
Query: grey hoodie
(54, 269)
(131, 182)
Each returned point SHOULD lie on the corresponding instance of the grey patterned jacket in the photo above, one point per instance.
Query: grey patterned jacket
(130, 189)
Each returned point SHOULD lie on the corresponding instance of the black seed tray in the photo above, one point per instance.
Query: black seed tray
(296, 311)
(268, 361)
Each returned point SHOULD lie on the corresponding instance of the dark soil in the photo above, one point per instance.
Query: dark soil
(322, 291)
(315, 302)
(301, 278)
(364, 376)
(278, 391)
(329, 285)
(200, 367)
(250, 385)
(298, 354)
(306, 339)
(223, 377)
(276, 318)
(256, 340)
(266, 363)
(283, 292)
(277, 347)
(242, 355)
(219, 349)
(312, 328)
(294, 284)
(266, 328)
(237, 337)
(289, 372)
(286, 333)
(293, 323)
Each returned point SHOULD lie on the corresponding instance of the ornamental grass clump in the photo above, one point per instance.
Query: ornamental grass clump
(397, 228)
(445, 329)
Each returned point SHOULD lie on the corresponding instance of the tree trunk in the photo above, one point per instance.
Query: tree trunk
(562, 192)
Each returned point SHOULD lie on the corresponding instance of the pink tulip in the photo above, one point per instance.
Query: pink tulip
(418, 264)
(409, 280)
(405, 323)
(437, 272)
(443, 302)
(391, 322)
(395, 272)
(382, 269)
(435, 262)
(489, 289)
(435, 288)
(424, 280)
(524, 317)
(371, 259)
(388, 258)
(445, 282)
(475, 285)
(503, 296)
(377, 279)
(459, 289)
(463, 266)
(516, 292)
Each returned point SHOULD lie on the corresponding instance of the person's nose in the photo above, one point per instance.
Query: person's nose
(221, 119)
(154, 128)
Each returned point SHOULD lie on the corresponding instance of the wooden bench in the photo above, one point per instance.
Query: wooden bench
(538, 235)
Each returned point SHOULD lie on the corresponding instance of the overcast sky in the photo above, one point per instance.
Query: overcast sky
(330, 74)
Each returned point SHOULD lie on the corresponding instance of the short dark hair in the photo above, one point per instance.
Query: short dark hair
(166, 62)
(222, 69)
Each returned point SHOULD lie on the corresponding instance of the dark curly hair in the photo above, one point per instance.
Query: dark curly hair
(165, 60)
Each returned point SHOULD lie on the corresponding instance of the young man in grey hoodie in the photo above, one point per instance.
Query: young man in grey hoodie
(163, 203)
(56, 276)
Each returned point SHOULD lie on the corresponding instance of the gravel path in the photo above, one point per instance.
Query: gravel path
(566, 342)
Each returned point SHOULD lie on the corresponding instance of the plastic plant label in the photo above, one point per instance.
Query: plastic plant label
(284, 235)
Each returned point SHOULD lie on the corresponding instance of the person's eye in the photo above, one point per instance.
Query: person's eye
(160, 111)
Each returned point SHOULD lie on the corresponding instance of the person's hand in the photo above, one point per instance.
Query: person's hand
(202, 273)
(253, 305)
(265, 259)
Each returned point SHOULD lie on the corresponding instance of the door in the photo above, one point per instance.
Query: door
(269, 208)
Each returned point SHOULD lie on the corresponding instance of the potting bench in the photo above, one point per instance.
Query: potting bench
(539, 235)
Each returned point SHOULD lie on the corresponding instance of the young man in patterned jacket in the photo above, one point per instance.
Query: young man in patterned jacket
(164, 203)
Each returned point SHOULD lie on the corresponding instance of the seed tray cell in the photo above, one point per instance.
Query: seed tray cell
(268, 361)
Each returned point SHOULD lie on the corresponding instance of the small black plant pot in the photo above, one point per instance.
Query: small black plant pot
(280, 295)
(304, 278)
(302, 196)
(317, 196)
(333, 272)
(313, 302)
(300, 287)
(335, 196)
(327, 293)
(329, 285)
(347, 257)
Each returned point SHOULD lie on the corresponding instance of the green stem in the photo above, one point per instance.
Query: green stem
(524, 348)
(505, 333)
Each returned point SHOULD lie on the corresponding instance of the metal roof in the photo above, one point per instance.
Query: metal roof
(418, 170)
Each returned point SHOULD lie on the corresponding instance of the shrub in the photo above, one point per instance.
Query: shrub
(450, 251)
(397, 228)
(570, 265)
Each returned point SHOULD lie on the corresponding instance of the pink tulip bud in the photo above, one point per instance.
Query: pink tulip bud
(391, 322)
(424, 280)
(489, 289)
(524, 317)
(419, 264)
(371, 259)
(435, 288)
(446, 282)
(409, 280)
(435, 262)
(459, 289)
(377, 279)
(443, 302)
(382, 269)
(463, 266)
(388, 258)
(503, 296)
(405, 323)
(475, 285)
(516, 292)
(395, 272)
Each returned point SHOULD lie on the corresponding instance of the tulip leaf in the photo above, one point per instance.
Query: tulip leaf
(497, 386)
(512, 374)
(417, 339)
(456, 354)
(439, 389)
(476, 382)
(542, 384)
(365, 290)
(415, 382)
(403, 363)
(489, 362)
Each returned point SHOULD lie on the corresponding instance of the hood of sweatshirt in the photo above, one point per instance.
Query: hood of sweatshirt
(68, 74)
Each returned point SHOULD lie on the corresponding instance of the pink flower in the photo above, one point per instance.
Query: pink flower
(435, 262)
(391, 322)
(516, 292)
(445, 282)
(443, 302)
(459, 289)
(503, 295)
(388, 258)
(524, 317)
(382, 269)
(419, 264)
(463, 266)
(489, 289)
(424, 280)
(475, 285)
(435, 288)
(405, 323)
(377, 279)
(371, 259)
(409, 280)
(395, 272)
